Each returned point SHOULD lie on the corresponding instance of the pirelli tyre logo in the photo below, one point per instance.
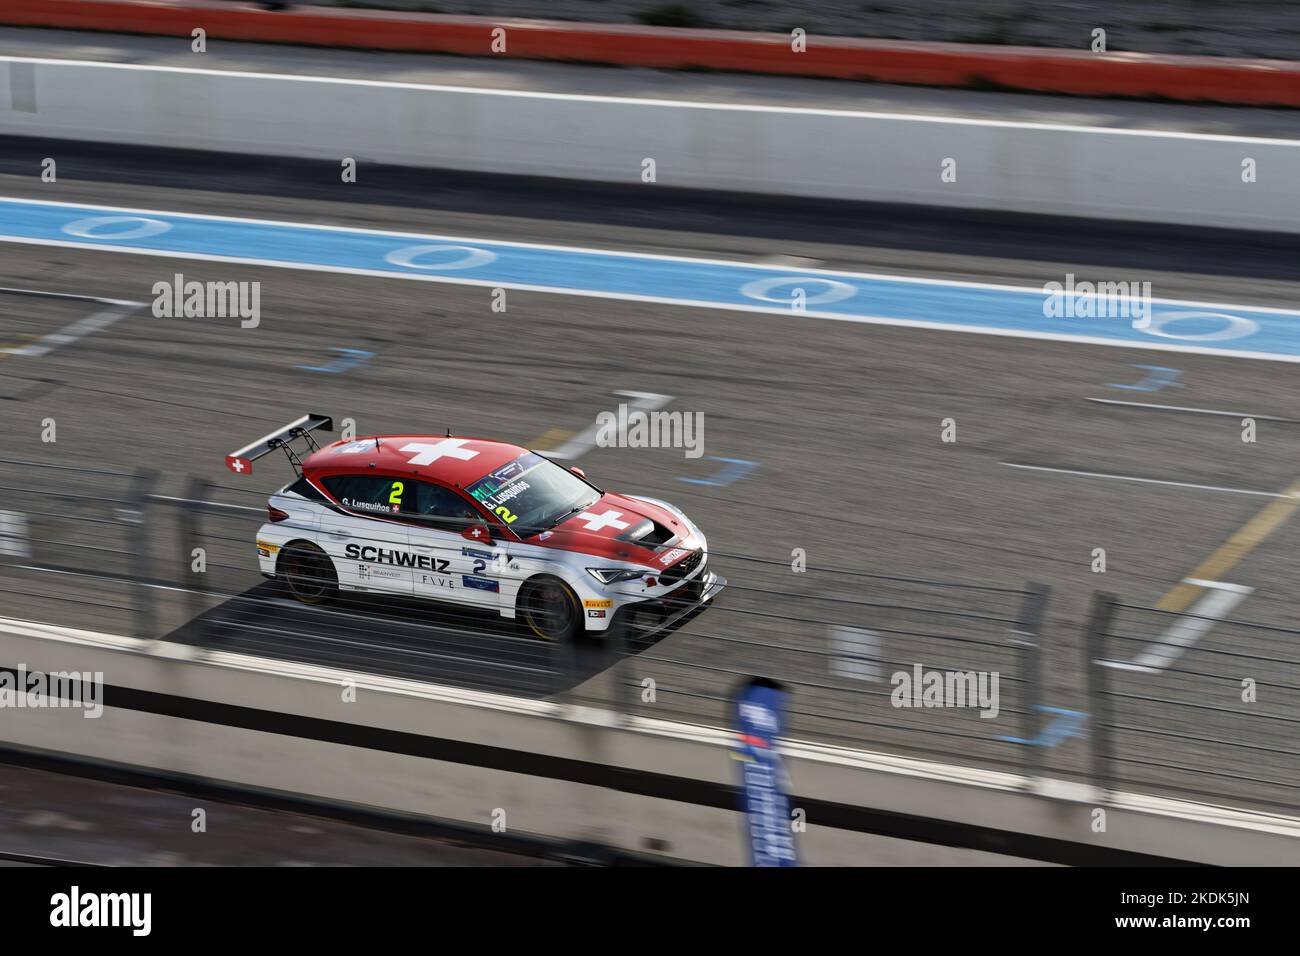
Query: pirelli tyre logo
(402, 559)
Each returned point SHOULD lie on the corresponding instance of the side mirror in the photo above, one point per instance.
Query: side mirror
(577, 471)
(477, 532)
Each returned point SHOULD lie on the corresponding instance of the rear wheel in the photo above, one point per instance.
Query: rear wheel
(551, 609)
(308, 573)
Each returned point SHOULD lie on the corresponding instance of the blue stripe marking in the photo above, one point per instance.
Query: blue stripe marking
(348, 358)
(1157, 377)
(1068, 723)
(733, 469)
(627, 275)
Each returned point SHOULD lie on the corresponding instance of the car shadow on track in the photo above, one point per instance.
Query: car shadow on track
(409, 639)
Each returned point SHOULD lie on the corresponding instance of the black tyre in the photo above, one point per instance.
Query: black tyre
(307, 573)
(550, 609)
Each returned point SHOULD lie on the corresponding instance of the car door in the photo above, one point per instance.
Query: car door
(364, 535)
(453, 568)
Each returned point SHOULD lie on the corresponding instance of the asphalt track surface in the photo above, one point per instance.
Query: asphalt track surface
(841, 421)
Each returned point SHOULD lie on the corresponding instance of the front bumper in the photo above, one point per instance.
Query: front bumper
(643, 618)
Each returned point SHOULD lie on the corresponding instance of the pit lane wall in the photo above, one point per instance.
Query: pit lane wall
(1125, 174)
(570, 775)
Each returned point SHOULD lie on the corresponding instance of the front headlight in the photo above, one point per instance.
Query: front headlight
(612, 575)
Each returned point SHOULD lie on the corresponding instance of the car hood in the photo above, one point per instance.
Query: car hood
(624, 528)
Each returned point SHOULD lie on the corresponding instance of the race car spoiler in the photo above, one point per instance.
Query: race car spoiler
(241, 461)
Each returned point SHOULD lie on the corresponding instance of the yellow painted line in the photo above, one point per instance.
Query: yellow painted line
(20, 342)
(1248, 537)
(550, 439)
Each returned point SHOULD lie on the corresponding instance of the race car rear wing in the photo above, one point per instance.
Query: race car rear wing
(241, 461)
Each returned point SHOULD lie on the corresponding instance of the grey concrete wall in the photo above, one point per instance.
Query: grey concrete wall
(1143, 175)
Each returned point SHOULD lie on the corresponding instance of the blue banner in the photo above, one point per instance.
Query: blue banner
(760, 720)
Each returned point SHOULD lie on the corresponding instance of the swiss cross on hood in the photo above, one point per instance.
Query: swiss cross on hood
(612, 526)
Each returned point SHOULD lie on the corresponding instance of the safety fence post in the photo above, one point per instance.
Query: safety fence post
(1099, 620)
(1027, 636)
(134, 514)
(189, 534)
(623, 670)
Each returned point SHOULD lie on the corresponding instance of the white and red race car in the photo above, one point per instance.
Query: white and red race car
(475, 522)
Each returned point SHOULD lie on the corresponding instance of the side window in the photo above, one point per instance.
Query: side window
(305, 488)
(373, 494)
(441, 507)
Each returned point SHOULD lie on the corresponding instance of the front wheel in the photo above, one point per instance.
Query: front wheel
(308, 573)
(551, 609)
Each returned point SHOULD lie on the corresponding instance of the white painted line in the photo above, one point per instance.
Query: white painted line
(68, 295)
(1187, 630)
(70, 334)
(1219, 585)
(857, 652)
(208, 504)
(679, 104)
(582, 443)
(1196, 411)
(1126, 666)
(13, 535)
(117, 309)
(68, 572)
(1151, 481)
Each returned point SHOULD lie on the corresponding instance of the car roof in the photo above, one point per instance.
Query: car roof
(449, 459)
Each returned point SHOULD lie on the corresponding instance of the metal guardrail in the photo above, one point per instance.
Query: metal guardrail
(850, 645)
(84, 523)
(1202, 706)
(839, 638)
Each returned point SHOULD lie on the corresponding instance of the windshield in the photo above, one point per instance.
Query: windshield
(531, 494)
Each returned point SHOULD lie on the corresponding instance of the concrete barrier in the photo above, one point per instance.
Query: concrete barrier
(1120, 174)
(647, 787)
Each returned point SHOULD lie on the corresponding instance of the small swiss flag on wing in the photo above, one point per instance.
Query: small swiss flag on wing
(240, 466)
